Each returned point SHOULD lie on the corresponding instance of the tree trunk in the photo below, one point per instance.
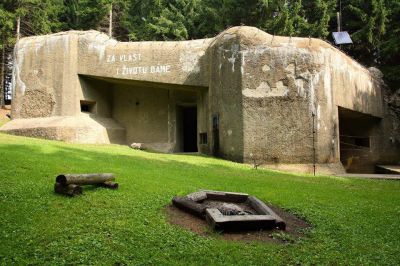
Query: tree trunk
(2, 89)
(84, 179)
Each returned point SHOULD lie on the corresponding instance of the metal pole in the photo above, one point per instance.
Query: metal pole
(338, 21)
(313, 125)
(2, 89)
(18, 27)
(340, 14)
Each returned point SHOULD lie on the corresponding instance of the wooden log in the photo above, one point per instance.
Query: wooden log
(109, 184)
(70, 190)
(84, 179)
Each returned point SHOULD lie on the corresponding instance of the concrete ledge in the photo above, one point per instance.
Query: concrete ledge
(238, 222)
(262, 208)
(189, 206)
(226, 196)
(372, 176)
(81, 129)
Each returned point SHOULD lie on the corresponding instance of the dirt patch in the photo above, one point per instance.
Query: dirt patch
(295, 227)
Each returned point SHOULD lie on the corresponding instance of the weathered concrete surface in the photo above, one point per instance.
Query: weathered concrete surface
(78, 129)
(269, 94)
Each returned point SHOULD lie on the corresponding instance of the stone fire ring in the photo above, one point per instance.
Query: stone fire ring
(261, 218)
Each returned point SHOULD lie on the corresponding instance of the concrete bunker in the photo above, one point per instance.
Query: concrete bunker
(243, 95)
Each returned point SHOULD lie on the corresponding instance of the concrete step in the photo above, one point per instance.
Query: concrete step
(388, 169)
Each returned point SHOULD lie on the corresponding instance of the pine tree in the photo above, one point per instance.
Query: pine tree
(288, 19)
(390, 46)
(366, 22)
(6, 38)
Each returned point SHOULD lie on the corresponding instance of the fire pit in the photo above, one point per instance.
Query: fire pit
(230, 211)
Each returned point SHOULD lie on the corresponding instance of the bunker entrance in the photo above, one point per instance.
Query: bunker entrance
(356, 141)
(157, 116)
(187, 118)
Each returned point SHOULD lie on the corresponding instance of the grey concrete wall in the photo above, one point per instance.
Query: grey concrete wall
(44, 79)
(276, 102)
(287, 80)
(98, 92)
(150, 115)
(143, 113)
(225, 97)
(166, 62)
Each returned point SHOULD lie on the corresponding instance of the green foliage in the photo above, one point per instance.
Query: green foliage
(355, 221)
(366, 21)
(6, 27)
(283, 237)
(289, 19)
(37, 17)
(85, 14)
(390, 47)
(320, 14)
(161, 20)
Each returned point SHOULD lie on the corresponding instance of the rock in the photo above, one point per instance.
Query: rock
(197, 196)
(375, 72)
(394, 99)
(137, 146)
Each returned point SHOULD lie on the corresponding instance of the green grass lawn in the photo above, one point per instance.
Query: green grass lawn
(354, 221)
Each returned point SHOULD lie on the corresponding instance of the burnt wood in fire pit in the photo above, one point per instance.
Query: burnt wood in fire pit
(230, 211)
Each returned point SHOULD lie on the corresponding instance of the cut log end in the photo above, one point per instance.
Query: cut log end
(61, 179)
(109, 184)
(69, 190)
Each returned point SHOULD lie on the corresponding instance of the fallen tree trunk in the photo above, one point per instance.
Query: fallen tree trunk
(69, 190)
(84, 179)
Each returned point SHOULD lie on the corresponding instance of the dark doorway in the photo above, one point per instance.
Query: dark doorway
(215, 127)
(189, 126)
(356, 140)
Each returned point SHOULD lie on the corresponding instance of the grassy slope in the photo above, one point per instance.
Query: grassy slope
(356, 221)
